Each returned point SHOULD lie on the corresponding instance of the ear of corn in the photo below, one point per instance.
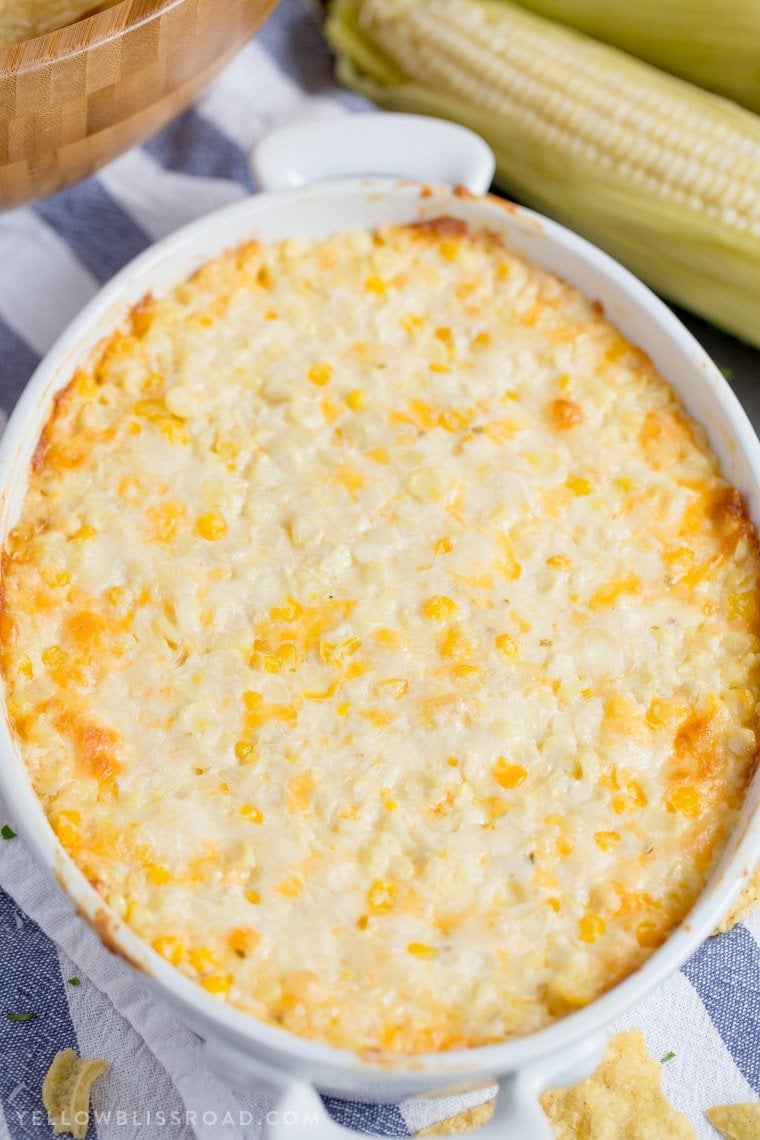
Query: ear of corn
(715, 45)
(664, 176)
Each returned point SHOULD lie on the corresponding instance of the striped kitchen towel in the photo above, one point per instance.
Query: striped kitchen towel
(53, 257)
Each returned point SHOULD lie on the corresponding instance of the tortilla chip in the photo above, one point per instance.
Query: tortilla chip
(622, 1098)
(736, 1121)
(747, 901)
(66, 1092)
(465, 1122)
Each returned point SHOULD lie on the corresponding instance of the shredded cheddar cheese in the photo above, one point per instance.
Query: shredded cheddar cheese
(382, 639)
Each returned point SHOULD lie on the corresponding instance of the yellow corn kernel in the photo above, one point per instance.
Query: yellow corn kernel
(606, 840)
(271, 662)
(510, 566)
(452, 761)
(362, 922)
(253, 897)
(380, 455)
(617, 350)
(449, 249)
(291, 887)
(742, 607)
(158, 875)
(84, 534)
(350, 478)
(421, 950)
(472, 673)
(507, 645)
(251, 700)
(579, 485)
(58, 579)
(211, 526)
(243, 940)
(508, 775)
(375, 284)
(609, 593)
(555, 904)
(289, 656)
(343, 708)
(632, 799)
(217, 983)
(151, 409)
(244, 751)
(452, 420)
(439, 607)
(357, 400)
(174, 430)
(290, 612)
(565, 846)
(412, 322)
(320, 374)
(169, 947)
(455, 644)
(66, 832)
(443, 546)
(558, 561)
(381, 895)
(388, 638)
(25, 668)
(396, 686)
(390, 805)
(685, 800)
(330, 410)
(591, 927)
(649, 934)
(271, 315)
(54, 657)
(252, 813)
(481, 340)
(203, 958)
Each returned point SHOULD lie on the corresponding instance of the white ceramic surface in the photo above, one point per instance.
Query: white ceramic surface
(377, 146)
(244, 1051)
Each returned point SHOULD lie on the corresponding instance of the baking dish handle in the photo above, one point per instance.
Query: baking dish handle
(298, 1112)
(375, 144)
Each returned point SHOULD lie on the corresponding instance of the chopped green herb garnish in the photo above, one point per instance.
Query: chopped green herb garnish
(74, 982)
(7, 832)
(727, 372)
(27, 1016)
(668, 1057)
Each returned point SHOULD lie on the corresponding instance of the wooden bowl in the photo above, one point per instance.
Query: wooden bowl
(76, 98)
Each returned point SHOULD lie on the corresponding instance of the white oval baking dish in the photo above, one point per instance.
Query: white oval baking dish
(246, 1052)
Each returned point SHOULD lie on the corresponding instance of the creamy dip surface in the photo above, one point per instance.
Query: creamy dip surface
(382, 638)
(24, 19)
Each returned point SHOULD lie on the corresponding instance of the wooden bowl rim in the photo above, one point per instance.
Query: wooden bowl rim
(81, 36)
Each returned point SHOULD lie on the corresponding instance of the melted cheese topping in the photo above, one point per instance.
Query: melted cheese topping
(382, 639)
(24, 19)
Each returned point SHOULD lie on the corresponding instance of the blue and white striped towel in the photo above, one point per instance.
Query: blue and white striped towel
(53, 257)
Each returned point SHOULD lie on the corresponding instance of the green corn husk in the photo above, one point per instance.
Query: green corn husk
(664, 176)
(713, 43)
